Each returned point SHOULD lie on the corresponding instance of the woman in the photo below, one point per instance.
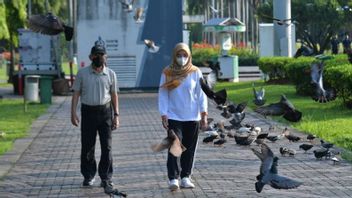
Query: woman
(182, 104)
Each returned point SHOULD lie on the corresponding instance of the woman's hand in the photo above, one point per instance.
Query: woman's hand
(165, 122)
(204, 121)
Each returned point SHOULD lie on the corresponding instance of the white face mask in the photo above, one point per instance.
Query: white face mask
(182, 60)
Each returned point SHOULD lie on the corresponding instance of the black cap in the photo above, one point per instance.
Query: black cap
(98, 49)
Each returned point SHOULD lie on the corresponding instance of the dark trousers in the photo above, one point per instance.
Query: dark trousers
(188, 134)
(96, 120)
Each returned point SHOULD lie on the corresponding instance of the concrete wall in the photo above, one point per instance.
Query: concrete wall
(123, 37)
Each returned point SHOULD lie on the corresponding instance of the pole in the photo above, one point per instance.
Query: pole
(282, 32)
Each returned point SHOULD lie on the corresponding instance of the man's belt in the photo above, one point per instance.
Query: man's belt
(96, 107)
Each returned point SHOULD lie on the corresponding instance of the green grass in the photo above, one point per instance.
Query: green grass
(66, 68)
(3, 76)
(14, 123)
(329, 121)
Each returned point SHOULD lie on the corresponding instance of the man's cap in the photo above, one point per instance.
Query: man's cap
(98, 49)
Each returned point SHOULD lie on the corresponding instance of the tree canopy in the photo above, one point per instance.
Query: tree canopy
(317, 20)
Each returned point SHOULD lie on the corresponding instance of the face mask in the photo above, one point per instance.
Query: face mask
(182, 60)
(98, 61)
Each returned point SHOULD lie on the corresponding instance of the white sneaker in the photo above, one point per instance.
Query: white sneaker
(173, 184)
(186, 183)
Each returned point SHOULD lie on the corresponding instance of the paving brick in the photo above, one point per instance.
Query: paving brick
(48, 165)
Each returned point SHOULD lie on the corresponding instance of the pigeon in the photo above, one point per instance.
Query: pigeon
(113, 191)
(152, 48)
(291, 138)
(335, 160)
(245, 138)
(261, 137)
(49, 24)
(225, 113)
(138, 15)
(213, 66)
(285, 22)
(326, 145)
(286, 151)
(283, 108)
(221, 141)
(269, 172)
(304, 51)
(320, 153)
(320, 94)
(273, 138)
(305, 147)
(311, 137)
(210, 138)
(259, 96)
(219, 97)
(171, 142)
(127, 5)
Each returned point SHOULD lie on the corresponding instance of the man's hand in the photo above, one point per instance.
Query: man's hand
(115, 122)
(74, 119)
(165, 122)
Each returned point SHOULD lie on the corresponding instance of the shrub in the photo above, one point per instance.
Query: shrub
(274, 67)
(340, 77)
(298, 72)
(202, 52)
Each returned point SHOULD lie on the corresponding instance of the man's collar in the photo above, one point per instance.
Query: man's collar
(105, 70)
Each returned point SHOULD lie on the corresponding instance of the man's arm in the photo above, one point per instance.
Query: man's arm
(115, 106)
(74, 117)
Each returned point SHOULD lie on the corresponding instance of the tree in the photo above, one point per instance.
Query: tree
(317, 21)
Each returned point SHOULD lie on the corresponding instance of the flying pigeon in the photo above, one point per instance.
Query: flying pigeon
(269, 173)
(49, 24)
(127, 5)
(259, 96)
(219, 97)
(320, 94)
(171, 142)
(283, 108)
(286, 22)
(138, 15)
(152, 48)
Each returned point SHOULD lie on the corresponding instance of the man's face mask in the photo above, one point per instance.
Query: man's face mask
(98, 60)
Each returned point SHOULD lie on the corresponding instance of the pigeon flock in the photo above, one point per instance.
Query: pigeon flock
(254, 137)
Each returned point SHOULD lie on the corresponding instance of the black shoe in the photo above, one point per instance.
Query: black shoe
(88, 182)
(107, 185)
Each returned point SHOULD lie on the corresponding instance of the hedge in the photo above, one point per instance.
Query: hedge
(337, 74)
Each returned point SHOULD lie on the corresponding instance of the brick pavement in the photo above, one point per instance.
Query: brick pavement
(49, 164)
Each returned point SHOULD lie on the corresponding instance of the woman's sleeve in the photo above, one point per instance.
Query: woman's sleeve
(163, 97)
(203, 100)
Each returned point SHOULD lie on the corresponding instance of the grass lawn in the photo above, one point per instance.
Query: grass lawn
(14, 123)
(66, 68)
(329, 121)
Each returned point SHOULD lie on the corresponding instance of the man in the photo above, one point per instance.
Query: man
(96, 86)
(346, 42)
(334, 45)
